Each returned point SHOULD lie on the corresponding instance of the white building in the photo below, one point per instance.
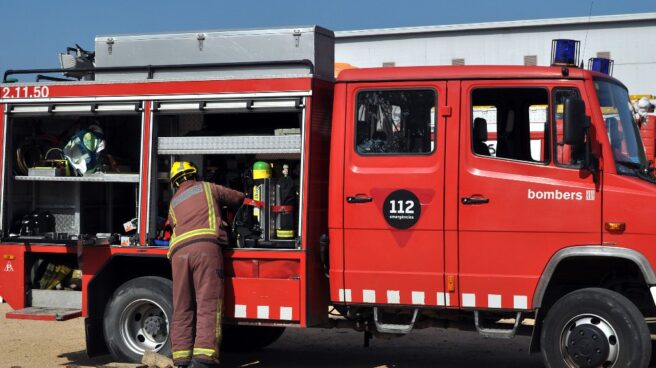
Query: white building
(630, 40)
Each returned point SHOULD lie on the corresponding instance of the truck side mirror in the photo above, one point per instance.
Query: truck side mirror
(576, 132)
(574, 120)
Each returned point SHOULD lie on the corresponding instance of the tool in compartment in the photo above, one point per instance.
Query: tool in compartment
(261, 176)
(38, 225)
(283, 208)
(84, 148)
(267, 216)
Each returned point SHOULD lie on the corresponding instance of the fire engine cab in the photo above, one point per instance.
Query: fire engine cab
(505, 199)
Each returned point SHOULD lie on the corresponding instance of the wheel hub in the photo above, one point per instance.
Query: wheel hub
(144, 326)
(588, 346)
(589, 341)
(153, 325)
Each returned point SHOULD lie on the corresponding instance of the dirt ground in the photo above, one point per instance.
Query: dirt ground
(28, 344)
(38, 344)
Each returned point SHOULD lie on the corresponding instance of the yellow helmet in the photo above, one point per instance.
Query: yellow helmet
(181, 171)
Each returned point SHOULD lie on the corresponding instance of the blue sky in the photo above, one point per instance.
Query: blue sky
(33, 32)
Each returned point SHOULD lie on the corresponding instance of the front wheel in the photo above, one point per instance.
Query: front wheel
(137, 318)
(595, 328)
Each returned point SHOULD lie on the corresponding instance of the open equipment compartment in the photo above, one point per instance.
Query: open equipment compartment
(46, 200)
(225, 139)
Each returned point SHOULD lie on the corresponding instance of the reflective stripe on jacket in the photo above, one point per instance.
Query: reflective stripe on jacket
(195, 213)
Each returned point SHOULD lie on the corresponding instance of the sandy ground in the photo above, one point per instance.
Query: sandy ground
(38, 344)
(28, 344)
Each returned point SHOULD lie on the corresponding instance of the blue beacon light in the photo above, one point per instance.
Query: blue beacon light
(564, 52)
(601, 65)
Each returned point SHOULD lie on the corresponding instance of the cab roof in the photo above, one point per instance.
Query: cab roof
(462, 72)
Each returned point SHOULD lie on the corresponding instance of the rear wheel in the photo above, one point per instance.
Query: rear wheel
(249, 338)
(137, 318)
(595, 328)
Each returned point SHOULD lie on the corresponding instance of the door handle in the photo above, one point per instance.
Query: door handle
(475, 200)
(358, 199)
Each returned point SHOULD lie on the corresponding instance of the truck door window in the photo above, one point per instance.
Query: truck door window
(566, 155)
(510, 123)
(393, 122)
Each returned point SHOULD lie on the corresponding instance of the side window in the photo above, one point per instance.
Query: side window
(566, 155)
(395, 122)
(510, 123)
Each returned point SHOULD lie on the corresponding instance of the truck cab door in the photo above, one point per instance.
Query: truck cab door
(393, 193)
(522, 199)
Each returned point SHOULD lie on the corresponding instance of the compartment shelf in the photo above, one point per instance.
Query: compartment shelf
(93, 178)
(229, 145)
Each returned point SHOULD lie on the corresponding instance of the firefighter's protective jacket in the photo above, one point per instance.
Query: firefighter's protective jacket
(195, 213)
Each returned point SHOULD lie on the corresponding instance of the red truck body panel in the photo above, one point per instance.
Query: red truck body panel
(263, 285)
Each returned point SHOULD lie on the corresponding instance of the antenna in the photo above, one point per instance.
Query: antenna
(585, 41)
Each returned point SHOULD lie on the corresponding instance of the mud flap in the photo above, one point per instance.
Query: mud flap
(94, 337)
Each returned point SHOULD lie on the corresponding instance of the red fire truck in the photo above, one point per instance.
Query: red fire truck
(400, 216)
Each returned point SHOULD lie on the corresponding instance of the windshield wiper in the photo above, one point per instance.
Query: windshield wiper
(647, 167)
(630, 164)
(644, 171)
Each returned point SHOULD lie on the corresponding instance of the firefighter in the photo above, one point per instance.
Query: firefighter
(197, 265)
(643, 108)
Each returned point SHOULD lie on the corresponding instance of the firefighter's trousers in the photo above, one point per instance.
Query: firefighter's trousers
(197, 303)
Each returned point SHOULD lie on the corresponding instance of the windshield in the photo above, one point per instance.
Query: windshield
(623, 133)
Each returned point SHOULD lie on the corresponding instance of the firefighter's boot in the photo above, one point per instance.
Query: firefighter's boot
(202, 363)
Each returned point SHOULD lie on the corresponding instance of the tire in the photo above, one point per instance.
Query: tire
(137, 318)
(595, 328)
(249, 338)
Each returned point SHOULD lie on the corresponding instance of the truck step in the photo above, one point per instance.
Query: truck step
(497, 333)
(394, 328)
(45, 314)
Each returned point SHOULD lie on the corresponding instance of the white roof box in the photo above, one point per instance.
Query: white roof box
(234, 54)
